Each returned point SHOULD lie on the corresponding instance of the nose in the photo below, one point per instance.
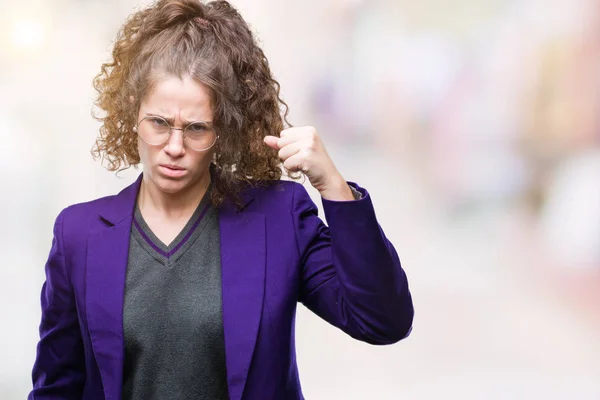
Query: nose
(175, 147)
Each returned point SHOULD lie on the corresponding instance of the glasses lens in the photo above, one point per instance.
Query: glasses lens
(154, 130)
(200, 136)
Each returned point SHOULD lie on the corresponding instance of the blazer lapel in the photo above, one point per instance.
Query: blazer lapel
(106, 269)
(243, 261)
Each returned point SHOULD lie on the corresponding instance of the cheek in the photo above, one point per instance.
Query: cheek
(144, 152)
(210, 155)
(202, 159)
(208, 158)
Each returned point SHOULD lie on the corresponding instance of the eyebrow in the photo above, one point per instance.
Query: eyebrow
(171, 121)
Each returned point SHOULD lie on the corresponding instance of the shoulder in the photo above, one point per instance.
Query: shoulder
(275, 188)
(77, 219)
(85, 210)
(97, 212)
(282, 194)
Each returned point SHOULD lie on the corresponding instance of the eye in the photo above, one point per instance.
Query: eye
(198, 127)
(158, 122)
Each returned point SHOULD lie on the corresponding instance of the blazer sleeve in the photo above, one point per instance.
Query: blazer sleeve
(351, 273)
(58, 370)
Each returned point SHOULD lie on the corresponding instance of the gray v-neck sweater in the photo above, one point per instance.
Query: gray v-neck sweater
(172, 316)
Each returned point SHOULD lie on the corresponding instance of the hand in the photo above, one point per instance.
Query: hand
(301, 149)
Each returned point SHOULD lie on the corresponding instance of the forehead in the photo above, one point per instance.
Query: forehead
(173, 97)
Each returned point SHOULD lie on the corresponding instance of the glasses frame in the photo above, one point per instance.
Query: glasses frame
(171, 129)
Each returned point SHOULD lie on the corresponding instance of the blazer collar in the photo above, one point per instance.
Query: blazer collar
(122, 205)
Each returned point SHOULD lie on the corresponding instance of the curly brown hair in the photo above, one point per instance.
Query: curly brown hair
(211, 43)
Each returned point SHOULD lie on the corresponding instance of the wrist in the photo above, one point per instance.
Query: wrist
(337, 189)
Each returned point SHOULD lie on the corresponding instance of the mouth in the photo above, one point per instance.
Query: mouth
(172, 167)
(171, 171)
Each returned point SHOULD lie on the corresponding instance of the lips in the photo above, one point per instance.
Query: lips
(172, 167)
(171, 171)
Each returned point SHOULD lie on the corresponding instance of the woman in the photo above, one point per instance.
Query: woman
(185, 284)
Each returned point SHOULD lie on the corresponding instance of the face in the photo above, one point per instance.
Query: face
(174, 167)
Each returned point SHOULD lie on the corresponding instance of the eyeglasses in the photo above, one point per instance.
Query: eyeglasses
(198, 136)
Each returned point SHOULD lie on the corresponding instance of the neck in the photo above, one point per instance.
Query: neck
(171, 205)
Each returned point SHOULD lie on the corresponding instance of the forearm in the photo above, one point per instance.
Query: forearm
(373, 286)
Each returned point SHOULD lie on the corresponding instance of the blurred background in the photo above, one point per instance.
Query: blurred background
(474, 124)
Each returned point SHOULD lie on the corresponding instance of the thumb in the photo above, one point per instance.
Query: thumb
(272, 141)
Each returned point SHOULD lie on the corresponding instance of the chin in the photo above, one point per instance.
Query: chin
(171, 186)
